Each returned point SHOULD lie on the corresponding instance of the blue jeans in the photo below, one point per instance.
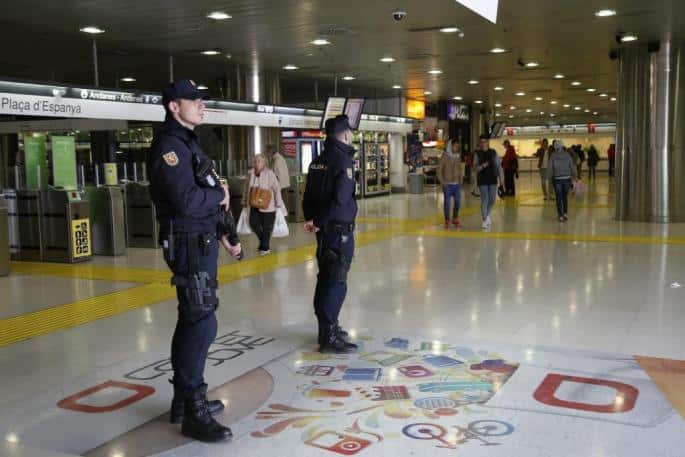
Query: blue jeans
(488, 196)
(561, 189)
(452, 191)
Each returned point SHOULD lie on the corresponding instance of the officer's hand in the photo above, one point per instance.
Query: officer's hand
(233, 251)
(309, 227)
(225, 203)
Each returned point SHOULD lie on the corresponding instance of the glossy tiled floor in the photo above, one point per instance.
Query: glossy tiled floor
(531, 291)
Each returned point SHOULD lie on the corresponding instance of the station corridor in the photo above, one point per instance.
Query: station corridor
(533, 338)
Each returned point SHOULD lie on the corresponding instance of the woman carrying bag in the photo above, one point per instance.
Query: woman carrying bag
(262, 196)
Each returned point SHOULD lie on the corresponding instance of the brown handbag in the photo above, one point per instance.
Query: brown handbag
(260, 198)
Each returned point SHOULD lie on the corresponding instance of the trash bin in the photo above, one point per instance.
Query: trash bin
(416, 182)
(4, 239)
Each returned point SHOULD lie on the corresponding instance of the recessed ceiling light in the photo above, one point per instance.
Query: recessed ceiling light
(587, 110)
(473, 81)
(219, 16)
(576, 83)
(603, 95)
(605, 13)
(613, 99)
(397, 87)
(498, 50)
(559, 76)
(202, 87)
(499, 88)
(553, 102)
(591, 89)
(321, 42)
(532, 64)
(92, 30)
(577, 108)
(291, 67)
(348, 78)
(498, 105)
(478, 102)
(539, 99)
(449, 29)
(512, 107)
(229, 56)
(529, 110)
(552, 114)
(211, 52)
(427, 92)
(387, 60)
(520, 94)
(566, 105)
(542, 113)
(435, 72)
(457, 98)
(628, 37)
(128, 79)
(497, 115)
(511, 116)
(595, 113)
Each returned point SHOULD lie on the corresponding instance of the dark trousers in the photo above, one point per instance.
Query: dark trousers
(592, 172)
(262, 224)
(612, 164)
(561, 189)
(195, 331)
(334, 253)
(510, 182)
(452, 191)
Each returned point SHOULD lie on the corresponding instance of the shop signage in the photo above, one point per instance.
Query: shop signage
(416, 109)
(458, 112)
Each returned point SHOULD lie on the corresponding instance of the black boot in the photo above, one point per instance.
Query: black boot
(177, 406)
(198, 423)
(342, 332)
(334, 343)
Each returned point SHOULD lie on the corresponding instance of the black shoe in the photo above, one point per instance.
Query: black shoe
(342, 332)
(198, 423)
(333, 343)
(177, 408)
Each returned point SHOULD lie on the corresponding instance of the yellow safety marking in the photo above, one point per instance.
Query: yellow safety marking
(19, 328)
(618, 239)
(90, 271)
(571, 204)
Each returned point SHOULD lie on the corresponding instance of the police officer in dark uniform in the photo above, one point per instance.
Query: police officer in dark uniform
(192, 209)
(330, 210)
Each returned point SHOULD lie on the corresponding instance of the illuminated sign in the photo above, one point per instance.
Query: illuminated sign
(416, 109)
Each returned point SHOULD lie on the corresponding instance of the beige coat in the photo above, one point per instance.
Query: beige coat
(450, 169)
(267, 180)
(281, 169)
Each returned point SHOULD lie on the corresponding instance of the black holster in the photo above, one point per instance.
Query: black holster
(197, 286)
(333, 265)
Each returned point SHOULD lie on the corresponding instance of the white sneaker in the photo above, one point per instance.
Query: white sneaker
(263, 253)
(486, 224)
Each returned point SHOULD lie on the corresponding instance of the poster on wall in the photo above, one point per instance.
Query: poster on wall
(35, 162)
(64, 162)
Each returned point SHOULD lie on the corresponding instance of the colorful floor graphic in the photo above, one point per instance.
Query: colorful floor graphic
(404, 396)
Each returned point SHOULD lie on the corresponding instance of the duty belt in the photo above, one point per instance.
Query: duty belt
(344, 227)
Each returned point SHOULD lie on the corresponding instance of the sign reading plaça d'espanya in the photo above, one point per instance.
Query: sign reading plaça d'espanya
(20, 105)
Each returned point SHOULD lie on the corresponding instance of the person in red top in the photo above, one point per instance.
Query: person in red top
(611, 153)
(510, 166)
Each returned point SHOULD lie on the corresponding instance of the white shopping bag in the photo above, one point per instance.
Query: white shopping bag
(280, 226)
(244, 223)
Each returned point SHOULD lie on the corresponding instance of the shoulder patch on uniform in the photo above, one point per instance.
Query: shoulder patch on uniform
(349, 173)
(171, 158)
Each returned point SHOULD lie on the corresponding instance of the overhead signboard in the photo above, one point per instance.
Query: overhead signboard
(335, 106)
(485, 8)
(353, 109)
(416, 109)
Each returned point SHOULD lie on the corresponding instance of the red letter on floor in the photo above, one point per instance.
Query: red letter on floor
(72, 401)
(626, 395)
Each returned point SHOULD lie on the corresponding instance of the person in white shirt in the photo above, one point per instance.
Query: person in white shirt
(280, 168)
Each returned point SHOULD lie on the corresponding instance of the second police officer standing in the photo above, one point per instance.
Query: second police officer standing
(192, 209)
(330, 210)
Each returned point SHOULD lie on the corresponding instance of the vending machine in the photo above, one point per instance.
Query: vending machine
(376, 164)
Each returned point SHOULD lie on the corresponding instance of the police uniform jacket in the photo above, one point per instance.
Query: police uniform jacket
(329, 195)
(175, 192)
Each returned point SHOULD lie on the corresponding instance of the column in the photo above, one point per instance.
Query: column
(651, 133)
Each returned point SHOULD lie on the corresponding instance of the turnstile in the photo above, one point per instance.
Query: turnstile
(24, 209)
(108, 226)
(142, 228)
(294, 197)
(4, 239)
(236, 187)
(65, 226)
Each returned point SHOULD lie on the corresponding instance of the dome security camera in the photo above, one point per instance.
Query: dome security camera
(399, 15)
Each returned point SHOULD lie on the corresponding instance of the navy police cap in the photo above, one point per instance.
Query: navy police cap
(337, 125)
(183, 89)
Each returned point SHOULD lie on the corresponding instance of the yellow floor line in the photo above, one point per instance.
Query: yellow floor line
(618, 239)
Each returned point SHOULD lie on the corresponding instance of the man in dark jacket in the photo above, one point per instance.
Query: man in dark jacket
(330, 210)
(188, 199)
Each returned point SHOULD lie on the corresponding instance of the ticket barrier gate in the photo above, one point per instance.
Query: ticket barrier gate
(4, 239)
(142, 228)
(108, 225)
(65, 226)
(293, 200)
(236, 187)
(24, 210)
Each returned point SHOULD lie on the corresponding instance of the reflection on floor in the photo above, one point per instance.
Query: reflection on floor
(593, 284)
